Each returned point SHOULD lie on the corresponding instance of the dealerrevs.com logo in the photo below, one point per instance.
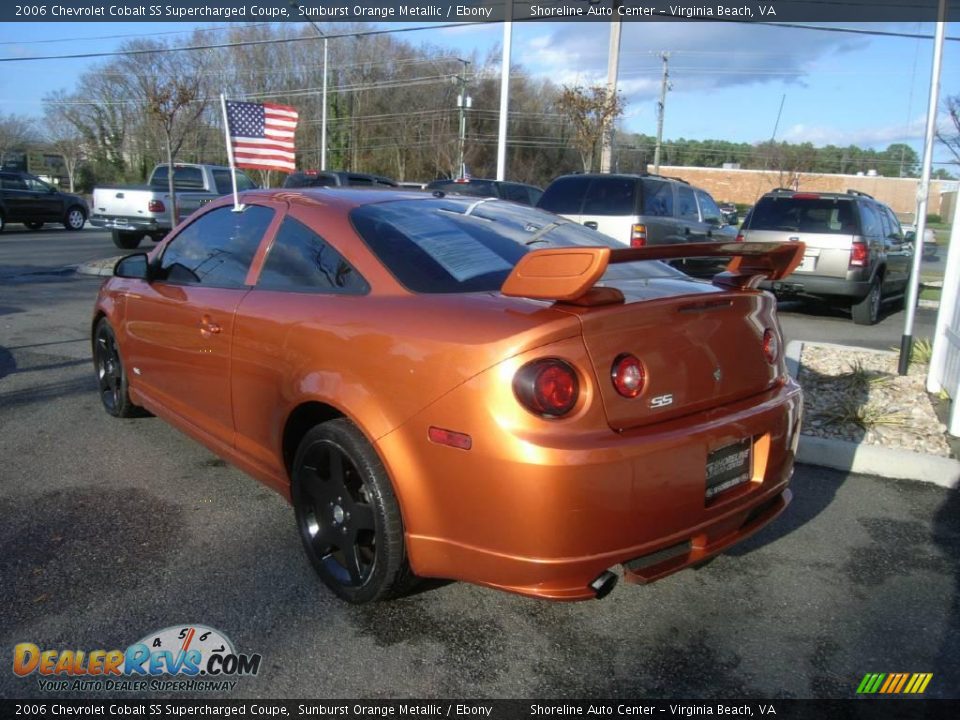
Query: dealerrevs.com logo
(184, 657)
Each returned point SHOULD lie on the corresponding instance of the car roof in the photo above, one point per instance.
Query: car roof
(344, 198)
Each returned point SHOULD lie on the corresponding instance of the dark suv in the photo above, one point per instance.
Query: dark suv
(638, 210)
(27, 199)
(336, 178)
(855, 253)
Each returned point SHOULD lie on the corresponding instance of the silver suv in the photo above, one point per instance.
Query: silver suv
(638, 210)
(855, 252)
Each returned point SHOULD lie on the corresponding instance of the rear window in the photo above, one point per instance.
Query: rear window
(454, 245)
(827, 216)
(480, 188)
(564, 195)
(184, 178)
(611, 196)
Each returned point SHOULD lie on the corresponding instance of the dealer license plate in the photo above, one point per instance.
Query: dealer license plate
(809, 263)
(728, 467)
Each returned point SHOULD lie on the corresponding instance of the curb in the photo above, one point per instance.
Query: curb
(103, 267)
(869, 459)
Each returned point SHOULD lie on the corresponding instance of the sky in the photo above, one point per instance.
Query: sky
(727, 79)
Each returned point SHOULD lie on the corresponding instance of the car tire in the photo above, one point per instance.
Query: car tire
(347, 514)
(867, 311)
(126, 240)
(75, 218)
(112, 380)
(34, 225)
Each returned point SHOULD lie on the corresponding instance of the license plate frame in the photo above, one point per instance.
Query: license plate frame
(728, 467)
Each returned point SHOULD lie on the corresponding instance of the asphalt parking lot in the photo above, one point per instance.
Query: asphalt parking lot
(112, 529)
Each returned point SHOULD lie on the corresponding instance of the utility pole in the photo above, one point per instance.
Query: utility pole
(661, 106)
(613, 62)
(463, 103)
(323, 112)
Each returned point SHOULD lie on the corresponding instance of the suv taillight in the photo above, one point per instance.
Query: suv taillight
(156, 206)
(638, 235)
(859, 254)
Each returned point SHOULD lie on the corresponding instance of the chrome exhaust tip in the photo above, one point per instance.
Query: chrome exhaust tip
(604, 584)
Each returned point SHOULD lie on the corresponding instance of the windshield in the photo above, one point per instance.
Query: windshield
(454, 245)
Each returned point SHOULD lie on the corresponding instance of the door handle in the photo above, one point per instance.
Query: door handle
(590, 224)
(709, 233)
(208, 328)
(686, 231)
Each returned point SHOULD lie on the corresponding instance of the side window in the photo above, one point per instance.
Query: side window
(187, 178)
(216, 249)
(611, 196)
(37, 185)
(564, 195)
(708, 209)
(13, 182)
(686, 204)
(302, 261)
(896, 232)
(244, 182)
(360, 180)
(871, 221)
(224, 182)
(657, 198)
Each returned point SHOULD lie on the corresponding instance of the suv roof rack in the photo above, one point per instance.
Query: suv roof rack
(782, 189)
(859, 193)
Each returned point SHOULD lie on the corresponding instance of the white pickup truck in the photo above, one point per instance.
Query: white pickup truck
(135, 211)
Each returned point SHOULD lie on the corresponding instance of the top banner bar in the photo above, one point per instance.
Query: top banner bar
(445, 11)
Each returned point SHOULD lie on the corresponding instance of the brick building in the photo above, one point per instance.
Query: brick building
(745, 186)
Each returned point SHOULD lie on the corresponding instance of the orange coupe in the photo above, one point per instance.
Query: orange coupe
(462, 388)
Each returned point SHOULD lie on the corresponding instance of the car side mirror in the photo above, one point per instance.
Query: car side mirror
(135, 267)
(909, 236)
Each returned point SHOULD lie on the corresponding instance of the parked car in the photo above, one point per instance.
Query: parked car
(132, 212)
(730, 214)
(27, 199)
(336, 178)
(479, 187)
(855, 256)
(931, 249)
(638, 210)
(477, 391)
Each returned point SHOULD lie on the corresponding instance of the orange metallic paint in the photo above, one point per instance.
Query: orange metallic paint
(536, 506)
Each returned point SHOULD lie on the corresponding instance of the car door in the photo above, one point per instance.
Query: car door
(688, 214)
(16, 198)
(46, 204)
(899, 256)
(300, 308)
(717, 229)
(179, 328)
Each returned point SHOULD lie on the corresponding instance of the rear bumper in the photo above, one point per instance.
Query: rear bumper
(818, 286)
(127, 224)
(545, 518)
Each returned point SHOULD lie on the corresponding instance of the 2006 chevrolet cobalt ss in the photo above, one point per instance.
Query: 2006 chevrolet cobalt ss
(460, 388)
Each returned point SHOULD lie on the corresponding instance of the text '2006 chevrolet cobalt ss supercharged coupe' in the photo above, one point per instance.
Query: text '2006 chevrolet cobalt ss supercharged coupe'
(463, 388)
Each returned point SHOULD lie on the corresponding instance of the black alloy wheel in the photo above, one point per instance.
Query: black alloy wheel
(347, 515)
(111, 377)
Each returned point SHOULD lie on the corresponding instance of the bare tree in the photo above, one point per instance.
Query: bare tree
(15, 131)
(950, 136)
(589, 110)
(64, 138)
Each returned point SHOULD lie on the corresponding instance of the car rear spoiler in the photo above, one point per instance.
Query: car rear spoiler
(568, 274)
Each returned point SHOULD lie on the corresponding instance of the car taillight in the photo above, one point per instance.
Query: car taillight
(859, 254)
(739, 237)
(638, 235)
(771, 346)
(547, 387)
(156, 206)
(458, 440)
(628, 375)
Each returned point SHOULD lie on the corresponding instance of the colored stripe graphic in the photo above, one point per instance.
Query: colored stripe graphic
(894, 683)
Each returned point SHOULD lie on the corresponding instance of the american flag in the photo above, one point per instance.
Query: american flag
(262, 135)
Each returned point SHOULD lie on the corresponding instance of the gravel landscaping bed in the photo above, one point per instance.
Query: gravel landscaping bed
(857, 395)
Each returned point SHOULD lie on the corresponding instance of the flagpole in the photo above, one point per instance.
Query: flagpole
(237, 207)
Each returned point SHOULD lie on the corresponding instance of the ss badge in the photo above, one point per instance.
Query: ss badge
(661, 400)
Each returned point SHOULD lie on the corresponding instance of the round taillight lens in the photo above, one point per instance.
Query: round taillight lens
(547, 387)
(771, 346)
(628, 375)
